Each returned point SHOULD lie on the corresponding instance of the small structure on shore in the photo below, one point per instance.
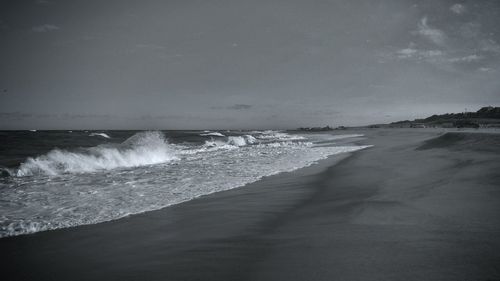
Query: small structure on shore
(316, 129)
(485, 117)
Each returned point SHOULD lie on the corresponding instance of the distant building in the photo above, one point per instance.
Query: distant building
(315, 129)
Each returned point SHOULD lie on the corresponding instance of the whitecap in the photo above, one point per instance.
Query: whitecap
(145, 148)
(212, 134)
(100, 135)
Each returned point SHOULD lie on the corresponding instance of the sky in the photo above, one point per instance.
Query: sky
(232, 64)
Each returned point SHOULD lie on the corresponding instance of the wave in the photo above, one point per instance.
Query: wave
(231, 142)
(6, 172)
(78, 198)
(241, 140)
(260, 138)
(276, 135)
(464, 141)
(288, 144)
(145, 148)
(99, 135)
(212, 134)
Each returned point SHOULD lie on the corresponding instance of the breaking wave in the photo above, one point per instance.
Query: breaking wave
(241, 140)
(276, 135)
(212, 134)
(75, 197)
(231, 142)
(6, 172)
(99, 135)
(145, 148)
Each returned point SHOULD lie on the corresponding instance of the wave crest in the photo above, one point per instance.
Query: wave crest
(212, 134)
(145, 148)
(276, 135)
(104, 135)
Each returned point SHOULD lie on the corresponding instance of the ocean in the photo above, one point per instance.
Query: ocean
(58, 179)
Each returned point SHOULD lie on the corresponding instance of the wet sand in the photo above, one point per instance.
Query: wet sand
(419, 205)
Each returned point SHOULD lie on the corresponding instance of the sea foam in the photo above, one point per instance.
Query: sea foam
(144, 148)
(164, 174)
(104, 135)
(212, 134)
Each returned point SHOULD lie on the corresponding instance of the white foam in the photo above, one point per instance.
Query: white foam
(241, 140)
(213, 134)
(104, 135)
(144, 148)
(72, 198)
(217, 144)
(277, 135)
(288, 144)
(232, 142)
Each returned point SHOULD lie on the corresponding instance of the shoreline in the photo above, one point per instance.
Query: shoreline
(331, 159)
(389, 212)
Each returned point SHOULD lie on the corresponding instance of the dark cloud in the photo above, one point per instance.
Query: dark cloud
(237, 106)
(45, 28)
(240, 106)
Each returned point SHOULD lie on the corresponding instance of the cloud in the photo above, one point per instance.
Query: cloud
(240, 106)
(485, 69)
(45, 28)
(433, 34)
(406, 53)
(466, 59)
(489, 45)
(458, 9)
(470, 30)
(447, 53)
(434, 56)
(466, 45)
(237, 106)
(413, 53)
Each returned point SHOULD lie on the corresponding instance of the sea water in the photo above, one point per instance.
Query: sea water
(56, 179)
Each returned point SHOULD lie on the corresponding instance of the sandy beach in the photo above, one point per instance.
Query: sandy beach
(421, 204)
